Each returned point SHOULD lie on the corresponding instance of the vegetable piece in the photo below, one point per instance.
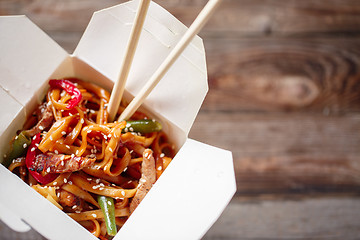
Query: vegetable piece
(143, 126)
(19, 146)
(70, 88)
(30, 160)
(108, 208)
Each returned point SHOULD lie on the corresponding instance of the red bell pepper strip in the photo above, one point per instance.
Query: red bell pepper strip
(30, 160)
(70, 88)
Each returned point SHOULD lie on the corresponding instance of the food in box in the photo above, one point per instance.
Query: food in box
(199, 182)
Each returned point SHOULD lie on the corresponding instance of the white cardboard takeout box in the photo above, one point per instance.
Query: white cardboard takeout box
(198, 184)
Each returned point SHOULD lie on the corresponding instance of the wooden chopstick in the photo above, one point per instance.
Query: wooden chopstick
(195, 27)
(119, 86)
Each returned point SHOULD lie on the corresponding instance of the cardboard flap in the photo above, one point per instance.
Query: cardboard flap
(13, 221)
(34, 208)
(10, 109)
(103, 47)
(187, 199)
(28, 57)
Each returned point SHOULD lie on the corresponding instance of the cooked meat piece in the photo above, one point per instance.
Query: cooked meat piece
(148, 178)
(67, 199)
(46, 118)
(60, 163)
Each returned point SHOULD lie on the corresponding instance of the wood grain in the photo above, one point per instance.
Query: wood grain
(318, 218)
(287, 153)
(282, 74)
(246, 17)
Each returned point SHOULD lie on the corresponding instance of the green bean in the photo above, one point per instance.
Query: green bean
(108, 209)
(143, 126)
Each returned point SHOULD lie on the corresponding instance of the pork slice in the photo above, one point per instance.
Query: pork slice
(60, 163)
(148, 178)
(46, 119)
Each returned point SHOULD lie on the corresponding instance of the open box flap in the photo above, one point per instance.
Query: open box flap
(10, 108)
(187, 199)
(34, 208)
(28, 57)
(103, 47)
(13, 221)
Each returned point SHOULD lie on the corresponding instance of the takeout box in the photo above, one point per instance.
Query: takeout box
(198, 184)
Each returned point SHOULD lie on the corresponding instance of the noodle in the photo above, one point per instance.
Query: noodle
(79, 156)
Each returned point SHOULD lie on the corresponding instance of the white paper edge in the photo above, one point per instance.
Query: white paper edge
(12, 221)
(198, 206)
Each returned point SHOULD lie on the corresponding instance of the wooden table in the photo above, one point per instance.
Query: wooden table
(284, 97)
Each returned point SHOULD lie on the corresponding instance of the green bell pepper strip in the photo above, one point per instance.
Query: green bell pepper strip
(108, 208)
(143, 126)
(18, 148)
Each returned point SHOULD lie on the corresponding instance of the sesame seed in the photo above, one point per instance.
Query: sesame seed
(162, 155)
(51, 138)
(48, 169)
(37, 144)
(159, 168)
(143, 180)
(70, 182)
(109, 202)
(41, 128)
(110, 149)
(98, 180)
(92, 110)
(89, 179)
(102, 185)
(55, 183)
(77, 152)
(131, 129)
(24, 145)
(94, 215)
(16, 137)
(65, 180)
(123, 192)
(63, 132)
(73, 207)
(67, 146)
(56, 152)
(72, 155)
(101, 188)
(32, 149)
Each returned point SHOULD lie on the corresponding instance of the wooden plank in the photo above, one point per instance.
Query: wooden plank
(286, 153)
(281, 74)
(245, 17)
(319, 218)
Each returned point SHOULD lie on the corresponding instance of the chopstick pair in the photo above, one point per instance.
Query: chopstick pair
(119, 86)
